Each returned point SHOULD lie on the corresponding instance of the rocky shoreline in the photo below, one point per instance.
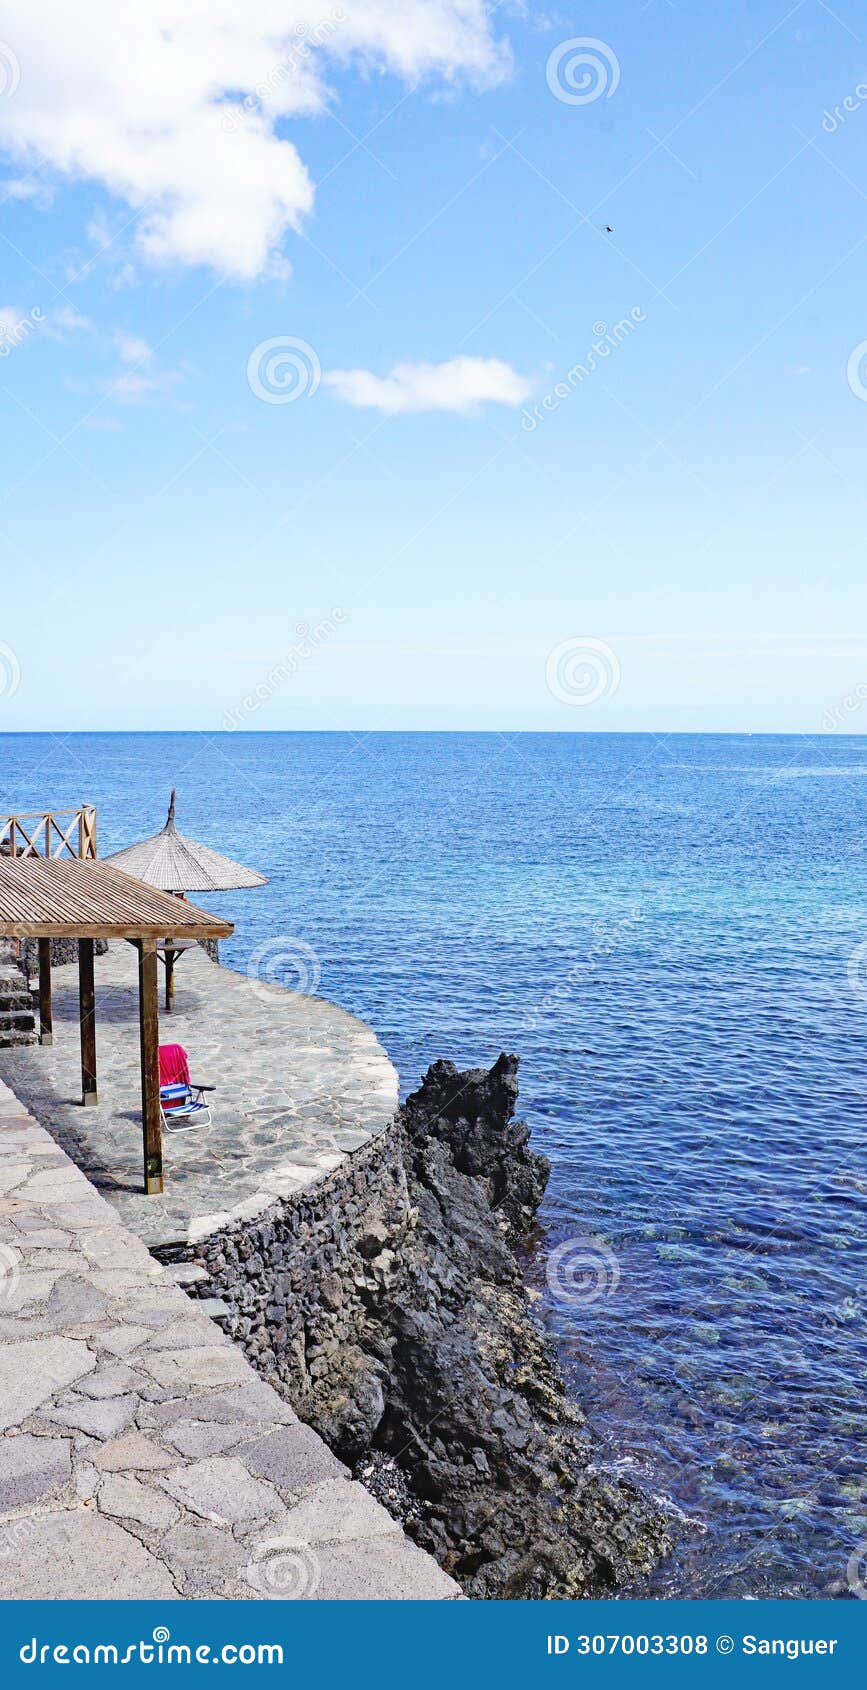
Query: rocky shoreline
(394, 1316)
(496, 1473)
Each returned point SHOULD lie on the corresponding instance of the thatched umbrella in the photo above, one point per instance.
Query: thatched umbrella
(176, 864)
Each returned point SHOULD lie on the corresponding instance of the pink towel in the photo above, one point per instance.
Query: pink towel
(174, 1067)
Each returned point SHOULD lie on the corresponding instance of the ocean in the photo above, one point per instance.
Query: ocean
(671, 932)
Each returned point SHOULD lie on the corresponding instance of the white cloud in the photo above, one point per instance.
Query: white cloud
(66, 321)
(11, 321)
(16, 326)
(461, 384)
(172, 104)
(26, 188)
(131, 386)
(132, 349)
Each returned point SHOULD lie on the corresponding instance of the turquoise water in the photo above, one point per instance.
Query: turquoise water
(663, 928)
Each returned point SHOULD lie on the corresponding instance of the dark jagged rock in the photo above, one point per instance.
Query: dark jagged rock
(473, 1115)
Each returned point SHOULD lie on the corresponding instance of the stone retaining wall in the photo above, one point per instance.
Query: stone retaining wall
(299, 1279)
(62, 951)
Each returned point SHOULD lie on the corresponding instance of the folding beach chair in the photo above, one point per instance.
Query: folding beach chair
(182, 1105)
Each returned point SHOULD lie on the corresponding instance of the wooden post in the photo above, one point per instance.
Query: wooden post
(152, 1138)
(170, 979)
(46, 1036)
(87, 1021)
(87, 831)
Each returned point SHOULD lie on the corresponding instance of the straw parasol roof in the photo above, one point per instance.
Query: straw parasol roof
(177, 864)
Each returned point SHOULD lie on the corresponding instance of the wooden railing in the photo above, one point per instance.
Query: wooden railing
(50, 833)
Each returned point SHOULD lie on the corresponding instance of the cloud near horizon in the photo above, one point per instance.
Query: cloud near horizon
(460, 384)
(172, 105)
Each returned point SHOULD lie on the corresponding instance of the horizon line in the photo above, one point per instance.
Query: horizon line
(822, 734)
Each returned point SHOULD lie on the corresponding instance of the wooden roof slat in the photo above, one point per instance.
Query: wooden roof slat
(81, 897)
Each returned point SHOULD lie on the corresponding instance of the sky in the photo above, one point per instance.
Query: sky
(426, 364)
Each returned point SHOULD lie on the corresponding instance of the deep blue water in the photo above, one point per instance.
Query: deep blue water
(661, 926)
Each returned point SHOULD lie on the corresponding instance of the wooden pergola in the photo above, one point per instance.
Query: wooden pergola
(82, 898)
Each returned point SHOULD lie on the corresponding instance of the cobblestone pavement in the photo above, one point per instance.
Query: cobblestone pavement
(140, 1455)
(300, 1083)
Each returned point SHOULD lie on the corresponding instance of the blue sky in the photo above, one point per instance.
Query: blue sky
(674, 540)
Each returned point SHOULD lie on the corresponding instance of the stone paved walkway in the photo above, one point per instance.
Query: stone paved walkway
(140, 1455)
(300, 1083)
